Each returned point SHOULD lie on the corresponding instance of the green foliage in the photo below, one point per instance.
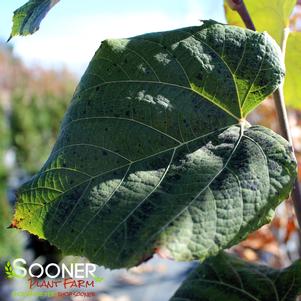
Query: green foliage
(273, 17)
(10, 239)
(154, 152)
(28, 17)
(4, 142)
(8, 243)
(37, 99)
(227, 278)
(292, 87)
(35, 121)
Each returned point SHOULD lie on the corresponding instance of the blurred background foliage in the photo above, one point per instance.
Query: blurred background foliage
(11, 242)
(4, 142)
(32, 103)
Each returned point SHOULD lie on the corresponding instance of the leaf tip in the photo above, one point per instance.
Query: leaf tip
(14, 224)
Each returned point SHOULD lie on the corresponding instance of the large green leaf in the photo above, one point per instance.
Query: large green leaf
(227, 278)
(292, 87)
(268, 15)
(154, 153)
(28, 17)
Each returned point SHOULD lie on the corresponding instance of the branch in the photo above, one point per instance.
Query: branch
(278, 96)
(241, 8)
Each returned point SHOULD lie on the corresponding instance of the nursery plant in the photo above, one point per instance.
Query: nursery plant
(155, 155)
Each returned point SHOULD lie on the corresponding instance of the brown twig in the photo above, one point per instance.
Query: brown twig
(241, 8)
(278, 96)
(285, 130)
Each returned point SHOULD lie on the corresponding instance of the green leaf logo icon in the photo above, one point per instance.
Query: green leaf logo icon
(9, 271)
(98, 279)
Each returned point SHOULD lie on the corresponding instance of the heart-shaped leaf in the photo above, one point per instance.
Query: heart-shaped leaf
(28, 17)
(154, 153)
(226, 277)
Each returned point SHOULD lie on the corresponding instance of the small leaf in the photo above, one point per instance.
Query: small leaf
(273, 17)
(155, 155)
(267, 15)
(292, 86)
(28, 17)
(227, 278)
